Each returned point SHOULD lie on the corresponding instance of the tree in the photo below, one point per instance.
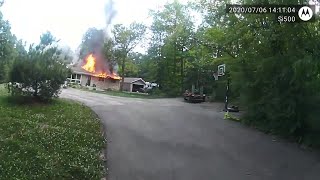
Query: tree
(109, 54)
(172, 30)
(274, 67)
(67, 55)
(125, 40)
(20, 48)
(40, 72)
(133, 65)
(7, 51)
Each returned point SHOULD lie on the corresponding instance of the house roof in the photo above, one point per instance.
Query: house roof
(132, 80)
(78, 70)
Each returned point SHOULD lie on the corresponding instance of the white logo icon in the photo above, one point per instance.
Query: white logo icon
(305, 13)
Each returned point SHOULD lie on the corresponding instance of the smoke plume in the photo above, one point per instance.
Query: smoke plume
(94, 43)
(110, 12)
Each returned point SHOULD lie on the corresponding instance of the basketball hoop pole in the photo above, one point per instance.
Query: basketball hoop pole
(222, 72)
(227, 93)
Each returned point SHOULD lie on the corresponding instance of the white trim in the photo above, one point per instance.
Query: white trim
(138, 80)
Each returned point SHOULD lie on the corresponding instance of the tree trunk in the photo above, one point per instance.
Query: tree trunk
(122, 74)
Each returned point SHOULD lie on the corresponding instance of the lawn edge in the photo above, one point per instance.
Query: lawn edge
(103, 155)
(132, 97)
(104, 151)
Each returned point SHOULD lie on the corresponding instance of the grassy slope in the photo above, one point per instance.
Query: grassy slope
(126, 94)
(57, 141)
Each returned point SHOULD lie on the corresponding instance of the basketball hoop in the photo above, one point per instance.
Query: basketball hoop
(221, 69)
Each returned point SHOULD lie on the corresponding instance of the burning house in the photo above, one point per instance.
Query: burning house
(94, 72)
(95, 69)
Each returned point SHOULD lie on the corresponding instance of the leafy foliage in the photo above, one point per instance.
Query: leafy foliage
(125, 40)
(274, 68)
(7, 50)
(40, 73)
(172, 31)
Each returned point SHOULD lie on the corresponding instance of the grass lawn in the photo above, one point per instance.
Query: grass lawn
(62, 140)
(126, 94)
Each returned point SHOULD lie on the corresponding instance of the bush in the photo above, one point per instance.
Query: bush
(40, 73)
(212, 97)
(156, 92)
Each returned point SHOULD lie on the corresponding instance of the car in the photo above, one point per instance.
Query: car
(194, 97)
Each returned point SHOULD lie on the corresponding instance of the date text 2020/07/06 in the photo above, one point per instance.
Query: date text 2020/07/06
(262, 9)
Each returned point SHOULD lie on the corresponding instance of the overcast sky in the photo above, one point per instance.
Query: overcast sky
(69, 19)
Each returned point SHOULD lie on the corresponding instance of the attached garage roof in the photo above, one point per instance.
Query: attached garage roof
(132, 80)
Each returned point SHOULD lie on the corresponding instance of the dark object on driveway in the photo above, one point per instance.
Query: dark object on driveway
(233, 109)
(194, 97)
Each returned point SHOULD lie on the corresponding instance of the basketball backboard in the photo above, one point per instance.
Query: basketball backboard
(221, 69)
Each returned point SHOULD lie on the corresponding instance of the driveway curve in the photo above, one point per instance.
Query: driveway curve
(167, 139)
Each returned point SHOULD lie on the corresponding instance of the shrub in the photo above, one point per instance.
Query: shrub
(156, 92)
(40, 73)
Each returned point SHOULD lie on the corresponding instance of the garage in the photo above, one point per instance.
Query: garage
(133, 84)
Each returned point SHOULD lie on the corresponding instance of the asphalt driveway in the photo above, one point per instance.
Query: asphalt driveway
(167, 139)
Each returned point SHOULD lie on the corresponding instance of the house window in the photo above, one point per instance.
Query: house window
(113, 80)
(77, 76)
(101, 79)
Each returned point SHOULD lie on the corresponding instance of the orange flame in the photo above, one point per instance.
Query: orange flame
(90, 64)
(90, 67)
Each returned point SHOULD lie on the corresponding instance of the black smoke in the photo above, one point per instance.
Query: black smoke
(94, 43)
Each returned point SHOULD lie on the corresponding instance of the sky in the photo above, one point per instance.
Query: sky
(68, 20)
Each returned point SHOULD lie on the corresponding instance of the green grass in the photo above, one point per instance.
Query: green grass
(127, 94)
(61, 140)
